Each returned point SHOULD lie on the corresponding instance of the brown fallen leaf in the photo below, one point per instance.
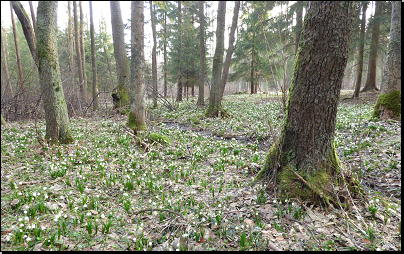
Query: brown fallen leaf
(280, 238)
(366, 241)
(202, 240)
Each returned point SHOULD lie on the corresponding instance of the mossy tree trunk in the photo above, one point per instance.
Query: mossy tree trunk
(121, 59)
(57, 120)
(303, 160)
(215, 105)
(370, 84)
(388, 103)
(361, 49)
(137, 115)
(201, 78)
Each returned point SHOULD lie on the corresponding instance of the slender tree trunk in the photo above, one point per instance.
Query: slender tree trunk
(179, 86)
(137, 115)
(57, 120)
(361, 49)
(252, 71)
(299, 23)
(78, 54)
(94, 60)
(201, 79)
(154, 58)
(226, 65)
(26, 27)
(6, 89)
(388, 103)
(32, 15)
(215, 108)
(17, 51)
(370, 83)
(82, 50)
(70, 42)
(304, 158)
(165, 51)
(122, 61)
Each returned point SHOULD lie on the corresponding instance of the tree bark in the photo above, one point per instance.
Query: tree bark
(361, 49)
(93, 59)
(370, 84)
(201, 78)
(305, 148)
(226, 65)
(57, 120)
(78, 54)
(215, 108)
(179, 86)
(388, 105)
(122, 61)
(154, 58)
(17, 51)
(137, 115)
(70, 42)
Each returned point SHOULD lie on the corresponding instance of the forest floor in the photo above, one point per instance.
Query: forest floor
(184, 183)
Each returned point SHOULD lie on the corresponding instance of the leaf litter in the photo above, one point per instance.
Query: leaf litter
(108, 192)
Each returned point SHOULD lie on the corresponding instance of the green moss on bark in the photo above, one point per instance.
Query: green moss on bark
(134, 124)
(390, 101)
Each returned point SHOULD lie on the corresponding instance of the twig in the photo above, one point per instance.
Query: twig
(161, 210)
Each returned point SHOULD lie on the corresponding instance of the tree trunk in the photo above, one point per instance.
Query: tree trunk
(299, 22)
(6, 89)
(252, 71)
(215, 108)
(226, 66)
(82, 51)
(122, 61)
(154, 58)
(388, 103)
(93, 59)
(370, 83)
(57, 120)
(165, 51)
(179, 86)
(32, 15)
(137, 115)
(361, 49)
(303, 159)
(70, 42)
(78, 54)
(201, 78)
(26, 27)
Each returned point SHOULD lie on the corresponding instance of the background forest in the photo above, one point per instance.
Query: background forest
(185, 177)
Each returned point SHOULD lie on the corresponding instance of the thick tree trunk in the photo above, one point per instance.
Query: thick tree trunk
(361, 49)
(93, 59)
(78, 54)
(388, 103)
(215, 108)
(226, 65)
(303, 160)
(179, 86)
(137, 115)
(57, 120)
(201, 78)
(154, 58)
(122, 61)
(370, 84)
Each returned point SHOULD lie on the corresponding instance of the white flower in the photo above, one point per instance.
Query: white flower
(25, 236)
(236, 228)
(88, 214)
(150, 243)
(44, 188)
(20, 219)
(25, 211)
(19, 193)
(26, 218)
(85, 205)
(102, 216)
(62, 197)
(28, 239)
(46, 196)
(125, 194)
(43, 227)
